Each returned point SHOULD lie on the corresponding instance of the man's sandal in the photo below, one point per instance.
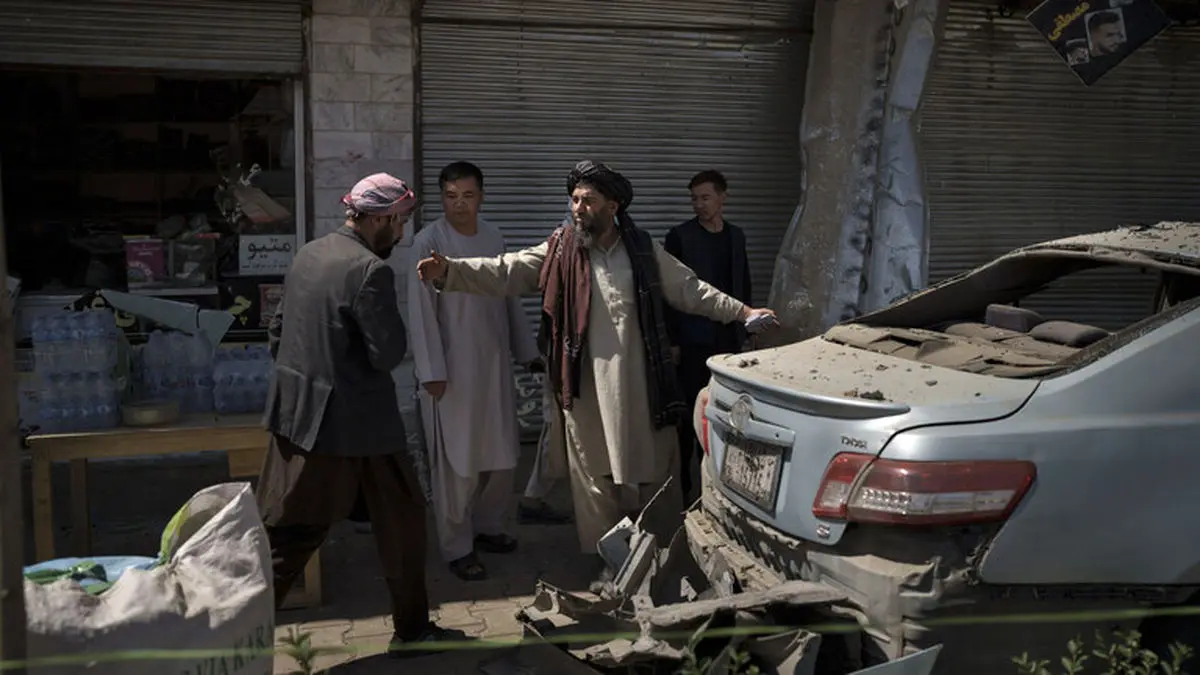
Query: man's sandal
(468, 568)
(495, 543)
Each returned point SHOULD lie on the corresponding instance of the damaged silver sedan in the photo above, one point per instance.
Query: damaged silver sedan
(960, 470)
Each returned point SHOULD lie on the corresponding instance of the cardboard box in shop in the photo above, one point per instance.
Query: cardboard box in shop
(145, 262)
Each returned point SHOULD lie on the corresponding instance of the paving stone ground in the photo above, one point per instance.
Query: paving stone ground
(355, 613)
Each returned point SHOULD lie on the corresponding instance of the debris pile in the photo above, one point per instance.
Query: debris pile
(660, 613)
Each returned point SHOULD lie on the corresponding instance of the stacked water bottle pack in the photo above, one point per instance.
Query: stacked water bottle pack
(240, 379)
(74, 355)
(178, 367)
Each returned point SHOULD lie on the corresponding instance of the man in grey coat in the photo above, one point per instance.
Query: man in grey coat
(337, 438)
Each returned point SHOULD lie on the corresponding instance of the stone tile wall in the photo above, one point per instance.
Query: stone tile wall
(362, 115)
(361, 98)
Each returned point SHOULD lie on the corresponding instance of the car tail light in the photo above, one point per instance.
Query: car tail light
(860, 488)
(699, 421)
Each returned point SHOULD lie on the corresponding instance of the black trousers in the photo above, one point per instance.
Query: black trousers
(301, 495)
(693, 375)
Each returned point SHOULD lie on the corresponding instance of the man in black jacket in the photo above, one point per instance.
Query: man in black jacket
(716, 250)
(338, 445)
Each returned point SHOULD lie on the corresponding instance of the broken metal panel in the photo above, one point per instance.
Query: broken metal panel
(792, 593)
(669, 632)
(665, 610)
(613, 547)
(820, 266)
(660, 607)
(899, 236)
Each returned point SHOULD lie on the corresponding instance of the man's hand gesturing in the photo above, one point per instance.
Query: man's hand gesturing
(433, 268)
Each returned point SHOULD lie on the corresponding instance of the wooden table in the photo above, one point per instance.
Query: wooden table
(241, 437)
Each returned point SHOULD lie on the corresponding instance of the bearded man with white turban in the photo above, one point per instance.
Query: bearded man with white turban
(604, 284)
(338, 447)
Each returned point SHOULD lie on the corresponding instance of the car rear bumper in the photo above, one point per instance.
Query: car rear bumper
(920, 595)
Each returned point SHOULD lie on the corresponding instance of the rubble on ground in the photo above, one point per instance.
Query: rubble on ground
(659, 613)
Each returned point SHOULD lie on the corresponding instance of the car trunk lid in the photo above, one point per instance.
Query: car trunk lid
(809, 401)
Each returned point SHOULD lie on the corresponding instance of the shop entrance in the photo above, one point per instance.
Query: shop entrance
(127, 181)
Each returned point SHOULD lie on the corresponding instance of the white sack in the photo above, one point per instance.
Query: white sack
(214, 594)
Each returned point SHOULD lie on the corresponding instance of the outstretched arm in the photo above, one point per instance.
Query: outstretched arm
(524, 348)
(510, 274)
(687, 293)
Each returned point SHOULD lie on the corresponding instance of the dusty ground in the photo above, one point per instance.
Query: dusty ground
(131, 502)
(356, 612)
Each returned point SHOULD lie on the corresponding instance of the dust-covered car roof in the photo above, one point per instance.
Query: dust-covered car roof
(1175, 242)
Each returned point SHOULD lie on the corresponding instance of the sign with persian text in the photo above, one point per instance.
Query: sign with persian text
(262, 255)
(1094, 36)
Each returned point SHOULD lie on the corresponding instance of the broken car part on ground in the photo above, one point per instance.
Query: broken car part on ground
(669, 612)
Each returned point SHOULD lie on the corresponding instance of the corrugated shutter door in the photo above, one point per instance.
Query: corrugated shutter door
(527, 101)
(235, 36)
(1018, 151)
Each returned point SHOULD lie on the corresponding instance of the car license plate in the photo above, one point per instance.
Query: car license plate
(751, 469)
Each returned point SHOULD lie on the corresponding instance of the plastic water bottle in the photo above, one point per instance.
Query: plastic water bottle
(38, 332)
(165, 366)
(50, 411)
(257, 396)
(147, 360)
(101, 392)
(102, 341)
(73, 402)
(109, 337)
(56, 342)
(180, 368)
(199, 374)
(115, 388)
(202, 366)
(239, 389)
(74, 351)
(223, 398)
(155, 358)
(91, 400)
(93, 342)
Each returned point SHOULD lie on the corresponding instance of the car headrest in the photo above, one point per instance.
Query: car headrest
(1012, 318)
(1068, 333)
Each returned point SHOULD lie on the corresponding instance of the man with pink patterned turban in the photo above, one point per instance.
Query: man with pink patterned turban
(338, 447)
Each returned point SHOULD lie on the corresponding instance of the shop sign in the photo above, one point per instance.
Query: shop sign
(1094, 36)
(261, 255)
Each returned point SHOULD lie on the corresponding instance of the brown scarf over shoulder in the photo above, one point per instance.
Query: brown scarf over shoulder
(566, 285)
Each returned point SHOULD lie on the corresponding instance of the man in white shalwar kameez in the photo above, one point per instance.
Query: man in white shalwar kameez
(463, 346)
(603, 282)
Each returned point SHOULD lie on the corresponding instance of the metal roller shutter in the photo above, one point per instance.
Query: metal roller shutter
(259, 37)
(658, 89)
(1018, 151)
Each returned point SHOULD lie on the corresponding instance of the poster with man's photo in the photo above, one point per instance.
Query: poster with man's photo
(1093, 36)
